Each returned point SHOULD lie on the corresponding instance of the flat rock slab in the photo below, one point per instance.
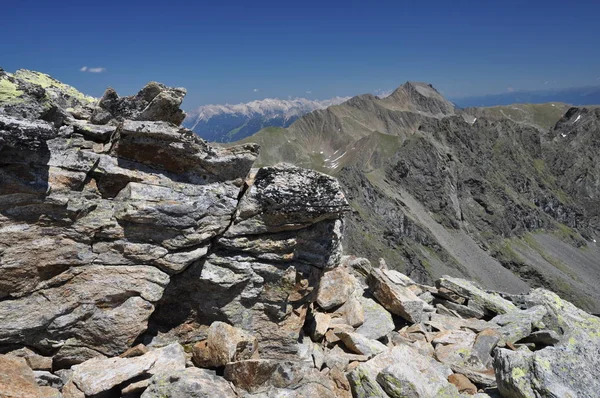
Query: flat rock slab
(99, 375)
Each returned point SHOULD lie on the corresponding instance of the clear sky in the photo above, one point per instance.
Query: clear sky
(235, 51)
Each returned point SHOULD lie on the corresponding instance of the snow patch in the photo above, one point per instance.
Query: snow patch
(576, 120)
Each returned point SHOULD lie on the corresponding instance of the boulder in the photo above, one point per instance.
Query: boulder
(155, 102)
(351, 312)
(396, 298)
(568, 368)
(405, 380)
(96, 376)
(46, 379)
(188, 383)
(261, 375)
(472, 292)
(335, 288)
(463, 384)
(360, 344)
(34, 361)
(378, 321)
(319, 325)
(516, 325)
(364, 378)
(224, 344)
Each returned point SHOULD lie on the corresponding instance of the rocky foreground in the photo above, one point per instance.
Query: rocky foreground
(136, 260)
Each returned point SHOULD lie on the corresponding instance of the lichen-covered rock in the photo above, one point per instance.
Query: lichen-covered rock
(33, 95)
(569, 368)
(366, 379)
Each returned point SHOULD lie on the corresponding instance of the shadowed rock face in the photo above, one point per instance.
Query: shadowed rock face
(103, 229)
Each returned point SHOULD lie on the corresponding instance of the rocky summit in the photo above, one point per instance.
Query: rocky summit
(137, 260)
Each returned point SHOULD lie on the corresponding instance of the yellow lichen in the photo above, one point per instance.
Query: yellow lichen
(9, 93)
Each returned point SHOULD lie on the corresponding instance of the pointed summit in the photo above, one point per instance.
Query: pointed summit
(420, 97)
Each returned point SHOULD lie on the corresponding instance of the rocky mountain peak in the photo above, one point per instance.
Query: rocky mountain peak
(421, 97)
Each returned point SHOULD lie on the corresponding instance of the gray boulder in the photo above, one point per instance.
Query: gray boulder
(188, 383)
(569, 368)
(155, 102)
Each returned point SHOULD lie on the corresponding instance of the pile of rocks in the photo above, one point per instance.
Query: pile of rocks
(370, 332)
(138, 260)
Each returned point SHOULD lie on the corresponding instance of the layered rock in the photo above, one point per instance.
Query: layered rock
(102, 227)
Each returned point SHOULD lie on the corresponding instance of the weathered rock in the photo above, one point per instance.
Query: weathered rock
(135, 351)
(378, 321)
(46, 379)
(319, 325)
(335, 288)
(396, 298)
(336, 358)
(224, 344)
(463, 384)
(463, 310)
(34, 361)
(261, 375)
(404, 380)
(461, 337)
(17, 379)
(31, 95)
(361, 344)
(363, 379)
(154, 102)
(470, 291)
(542, 337)
(99, 375)
(271, 258)
(188, 383)
(484, 345)
(516, 325)
(444, 322)
(351, 312)
(566, 369)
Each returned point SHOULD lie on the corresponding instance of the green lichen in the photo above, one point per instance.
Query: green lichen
(9, 92)
(47, 82)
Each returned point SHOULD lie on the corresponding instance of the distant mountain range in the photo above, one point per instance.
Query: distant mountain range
(574, 96)
(227, 123)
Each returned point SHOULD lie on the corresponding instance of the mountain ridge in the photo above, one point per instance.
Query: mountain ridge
(419, 173)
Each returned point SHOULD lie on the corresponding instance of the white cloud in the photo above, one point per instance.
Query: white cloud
(92, 70)
(256, 90)
(308, 92)
(510, 89)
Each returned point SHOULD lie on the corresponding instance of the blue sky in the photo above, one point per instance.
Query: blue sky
(234, 51)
